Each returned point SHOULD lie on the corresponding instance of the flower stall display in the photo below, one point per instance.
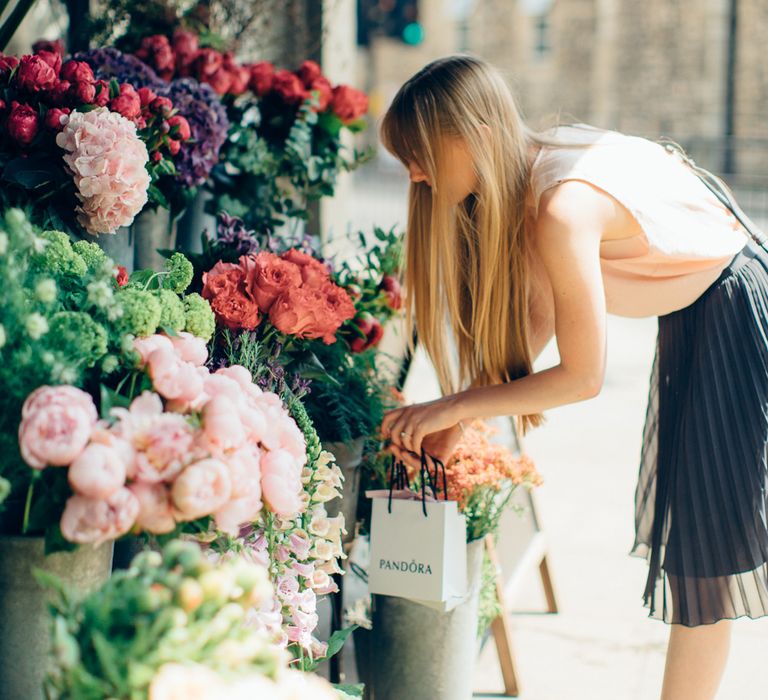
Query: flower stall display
(83, 153)
(174, 625)
(70, 317)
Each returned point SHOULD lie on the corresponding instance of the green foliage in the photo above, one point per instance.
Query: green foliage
(79, 337)
(489, 607)
(171, 607)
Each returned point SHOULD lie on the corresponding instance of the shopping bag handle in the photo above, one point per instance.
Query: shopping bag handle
(398, 478)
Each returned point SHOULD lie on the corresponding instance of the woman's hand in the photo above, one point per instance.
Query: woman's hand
(432, 426)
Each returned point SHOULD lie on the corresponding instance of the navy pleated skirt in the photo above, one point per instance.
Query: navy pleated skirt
(702, 492)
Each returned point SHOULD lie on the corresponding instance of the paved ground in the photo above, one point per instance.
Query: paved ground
(600, 646)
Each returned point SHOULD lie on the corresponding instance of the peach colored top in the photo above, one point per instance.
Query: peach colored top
(688, 237)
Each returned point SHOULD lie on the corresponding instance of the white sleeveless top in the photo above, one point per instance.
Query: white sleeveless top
(687, 237)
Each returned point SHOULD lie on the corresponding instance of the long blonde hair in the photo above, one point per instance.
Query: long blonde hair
(467, 263)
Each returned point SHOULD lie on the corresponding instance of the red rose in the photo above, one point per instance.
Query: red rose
(53, 118)
(183, 132)
(56, 46)
(220, 81)
(207, 62)
(391, 287)
(2, 106)
(161, 105)
(313, 272)
(262, 74)
(60, 94)
(146, 95)
(349, 104)
(339, 302)
(241, 76)
(77, 72)
(85, 93)
(309, 72)
(324, 91)
(372, 331)
(288, 86)
(224, 287)
(23, 123)
(185, 45)
(52, 59)
(268, 276)
(174, 146)
(122, 276)
(127, 103)
(156, 50)
(34, 74)
(102, 93)
(7, 64)
(302, 311)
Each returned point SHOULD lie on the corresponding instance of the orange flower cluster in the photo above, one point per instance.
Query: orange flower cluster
(477, 463)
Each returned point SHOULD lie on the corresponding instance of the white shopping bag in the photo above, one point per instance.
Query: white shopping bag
(417, 556)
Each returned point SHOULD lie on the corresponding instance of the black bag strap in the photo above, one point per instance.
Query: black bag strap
(719, 189)
(398, 479)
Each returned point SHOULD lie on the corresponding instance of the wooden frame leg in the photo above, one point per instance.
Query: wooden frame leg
(546, 582)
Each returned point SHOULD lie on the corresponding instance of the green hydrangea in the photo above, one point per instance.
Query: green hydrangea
(180, 273)
(171, 310)
(58, 257)
(95, 258)
(141, 312)
(200, 320)
(77, 336)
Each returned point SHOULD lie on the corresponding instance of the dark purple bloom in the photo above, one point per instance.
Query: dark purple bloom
(209, 125)
(232, 233)
(111, 63)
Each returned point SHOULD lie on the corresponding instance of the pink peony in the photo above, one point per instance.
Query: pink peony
(93, 521)
(108, 162)
(162, 447)
(155, 510)
(236, 513)
(238, 373)
(98, 472)
(201, 489)
(35, 74)
(281, 483)
(176, 681)
(221, 424)
(190, 348)
(56, 426)
(147, 345)
(173, 378)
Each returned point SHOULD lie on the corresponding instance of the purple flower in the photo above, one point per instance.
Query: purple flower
(209, 124)
(111, 63)
(232, 233)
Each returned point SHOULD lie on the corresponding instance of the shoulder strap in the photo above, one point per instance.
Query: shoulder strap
(719, 189)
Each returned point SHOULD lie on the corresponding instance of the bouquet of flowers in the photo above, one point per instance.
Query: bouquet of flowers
(286, 146)
(174, 625)
(84, 151)
(69, 318)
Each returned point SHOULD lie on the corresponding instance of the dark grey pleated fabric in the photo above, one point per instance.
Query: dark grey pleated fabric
(702, 492)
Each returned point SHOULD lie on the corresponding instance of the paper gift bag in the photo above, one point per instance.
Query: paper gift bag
(418, 550)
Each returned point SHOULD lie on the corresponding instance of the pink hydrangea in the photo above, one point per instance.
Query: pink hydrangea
(108, 162)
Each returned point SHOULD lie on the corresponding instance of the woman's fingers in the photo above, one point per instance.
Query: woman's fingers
(389, 418)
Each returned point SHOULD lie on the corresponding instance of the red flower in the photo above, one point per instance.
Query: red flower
(372, 330)
(127, 103)
(241, 76)
(156, 51)
(224, 286)
(183, 132)
(34, 74)
(185, 45)
(349, 104)
(23, 123)
(161, 105)
(220, 81)
(339, 303)
(174, 146)
(77, 72)
(122, 276)
(60, 94)
(262, 74)
(52, 58)
(324, 93)
(56, 46)
(102, 93)
(313, 272)
(392, 289)
(3, 106)
(146, 95)
(85, 93)
(288, 86)
(53, 118)
(309, 72)
(268, 276)
(303, 312)
(207, 62)
(7, 64)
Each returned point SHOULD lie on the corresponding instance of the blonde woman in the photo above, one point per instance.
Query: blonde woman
(514, 236)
